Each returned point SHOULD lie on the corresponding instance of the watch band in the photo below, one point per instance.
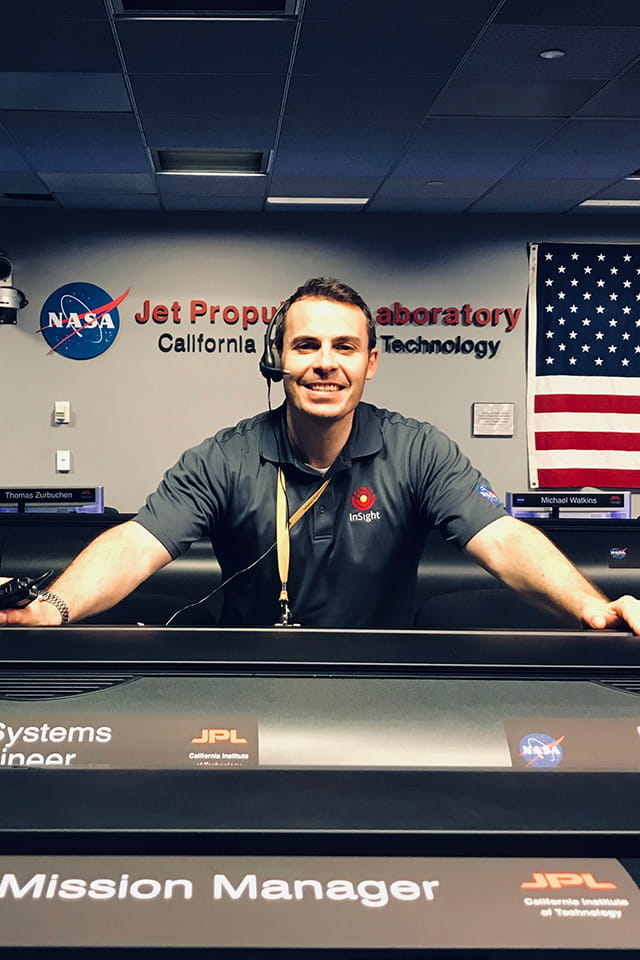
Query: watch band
(57, 602)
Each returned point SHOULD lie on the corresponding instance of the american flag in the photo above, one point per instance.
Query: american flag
(583, 396)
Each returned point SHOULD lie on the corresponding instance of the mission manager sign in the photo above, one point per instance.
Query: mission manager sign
(317, 902)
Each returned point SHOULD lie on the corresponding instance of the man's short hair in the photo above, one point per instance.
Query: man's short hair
(327, 288)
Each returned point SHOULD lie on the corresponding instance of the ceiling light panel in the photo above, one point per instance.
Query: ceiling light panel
(212, 162)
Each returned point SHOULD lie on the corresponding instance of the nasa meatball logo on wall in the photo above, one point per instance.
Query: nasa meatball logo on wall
(80, 320)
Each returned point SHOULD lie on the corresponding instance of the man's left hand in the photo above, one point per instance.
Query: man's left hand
(624, 612)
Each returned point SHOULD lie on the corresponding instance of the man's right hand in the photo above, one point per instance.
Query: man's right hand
(106, 571)
(37, 614)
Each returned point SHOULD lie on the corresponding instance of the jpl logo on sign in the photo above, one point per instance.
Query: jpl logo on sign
(80, 320)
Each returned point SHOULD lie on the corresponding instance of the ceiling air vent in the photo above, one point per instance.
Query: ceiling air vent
(212, 162)
(205, 8)
(50, 686)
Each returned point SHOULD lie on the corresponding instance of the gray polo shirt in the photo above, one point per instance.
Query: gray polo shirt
(354, 555)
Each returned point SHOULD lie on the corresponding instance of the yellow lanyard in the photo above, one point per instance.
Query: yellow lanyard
(283, 526)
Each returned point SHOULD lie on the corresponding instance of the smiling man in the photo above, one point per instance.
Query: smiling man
(363, 488)
(328, 354)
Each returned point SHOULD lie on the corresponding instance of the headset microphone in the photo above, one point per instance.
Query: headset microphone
(270, 364)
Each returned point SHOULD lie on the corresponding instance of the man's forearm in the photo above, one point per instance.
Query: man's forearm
(105, 572)
(527, 561)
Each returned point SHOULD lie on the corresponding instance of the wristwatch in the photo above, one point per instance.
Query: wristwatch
(57, 602)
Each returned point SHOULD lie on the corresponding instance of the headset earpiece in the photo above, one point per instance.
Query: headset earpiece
(270, 363)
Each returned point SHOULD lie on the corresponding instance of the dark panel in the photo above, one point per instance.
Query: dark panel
(408, 11)
(345, 113)
(44, 10)
(206, 47)
(215, 133)
(473, 147)
(591, 149)
(64, 91)
(593, 12)
(463, 811)
(363, 49)
(208, 96)
(334, 163)
(63, 142)
(64, 45)
(512, 51)
(517, 98)
(620, 98)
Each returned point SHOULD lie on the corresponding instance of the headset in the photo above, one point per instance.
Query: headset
(270, 362)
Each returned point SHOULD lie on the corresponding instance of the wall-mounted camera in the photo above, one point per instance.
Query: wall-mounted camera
(11, 299)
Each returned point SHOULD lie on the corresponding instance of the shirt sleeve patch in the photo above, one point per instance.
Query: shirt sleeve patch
(485, 491)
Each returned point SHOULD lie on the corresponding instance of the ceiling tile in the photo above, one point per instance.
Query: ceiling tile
(585, 12)
(21, 182)
(514, 97)
(407, 11)
(511, 52)
(359, 49)
(473, 147)
(64, 91)
(212, 203)
(525, 204)
(63, 142)
(203, 96)
(192, 185)
(323, 186)
(345, 113)
(592, 149)
(421, 190)
(428, 205)
(44, 11)
(620, 98)
(218, 133)
(337, 163)
(633, 73)
(107, 201)
(622, 190)
(11, 159)
(128, 183)
(209, 47)
(547, 195)
(78, 46)
(396, 100)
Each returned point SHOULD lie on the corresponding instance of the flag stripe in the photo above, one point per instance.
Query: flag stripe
(622, 459)
(606, 386)
(568, 403)
(591, 477)
(586, 440)
(611, 423)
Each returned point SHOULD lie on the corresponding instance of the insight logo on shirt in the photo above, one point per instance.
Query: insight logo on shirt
(363, 498)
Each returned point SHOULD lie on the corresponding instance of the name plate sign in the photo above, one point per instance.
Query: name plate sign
(134, 741)
(317, 902)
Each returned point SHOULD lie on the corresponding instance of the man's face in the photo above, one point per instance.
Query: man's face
(326, 352)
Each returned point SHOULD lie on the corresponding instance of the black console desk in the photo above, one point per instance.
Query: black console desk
(358, 742)
(314, 793)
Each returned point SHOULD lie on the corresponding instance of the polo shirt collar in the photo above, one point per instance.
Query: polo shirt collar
(364, 441)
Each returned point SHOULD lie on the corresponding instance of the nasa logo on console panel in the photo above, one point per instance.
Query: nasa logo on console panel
(80, 320)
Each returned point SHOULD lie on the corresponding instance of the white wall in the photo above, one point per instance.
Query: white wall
(135, 408)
